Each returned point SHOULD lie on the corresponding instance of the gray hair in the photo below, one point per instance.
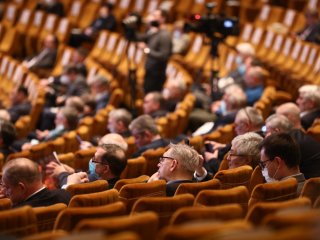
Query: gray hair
(247, 144)
(236, 96)
(252, 116)
(116, 139)
(121, 114)
(245, 49)
(186, 155)
(289, 110)
(143, 123)
(279, 121)
(100, 80)
(311, 92)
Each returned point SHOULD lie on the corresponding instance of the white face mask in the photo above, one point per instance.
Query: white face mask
(64, 79)
(267, 177)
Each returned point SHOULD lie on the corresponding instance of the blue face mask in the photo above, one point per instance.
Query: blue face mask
(92, 168)
(223, 108)
(242, 69)
(239, 60)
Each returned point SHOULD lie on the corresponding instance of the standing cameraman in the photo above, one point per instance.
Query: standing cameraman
(156, 44)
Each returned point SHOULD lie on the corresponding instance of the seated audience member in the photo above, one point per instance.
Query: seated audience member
(280, 158)
(180, 38)
(104, 21)
(309, 147)
(176, 166)
(46, 59)
(311, 30)
(173, 93)
(247, 120)
(66, 120)
(154, 105)
(309, 104)
(146, 134)
(7, 136)
(20, 104)
(51, 7)
(22, 183)
(118, 122)
(108, 163)
(233, 99)
(100, 89)
(292, 112)
(254, 80)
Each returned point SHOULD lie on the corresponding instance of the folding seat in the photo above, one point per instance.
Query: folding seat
(91, 12)
(75, 11)
(49, 27)
(130, 193)
(277, 46)
(83, 157)
(266, 45)
(19, 222)
(94, 199)
(5, 203)
(71, 141)
(256, 178)
(47, 215)
(89, 187)
(135, 168)
(311, 189)
(269, 14)
(139, 7)
(47, 235)
(263, 209)
(40, 151)
(22, 154)
(70, 217)
(63, 30)
(152, 158)
(202, 229)
(67, 158)
(163, 206)
(24, 20)
(144, 224)
(100, 44)
(197, 143)
(120, 183)
(196, 187)
(182, 8)
(10, 16)
(276, 191)
(111, 46)
(193, 214)
(131, 146)
(22, 126)
(238, 195)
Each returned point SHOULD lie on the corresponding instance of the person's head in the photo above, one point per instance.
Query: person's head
(234, 97)
(312, 16)
(105, 10)
(4, 115)
(248, 119)
(291, 111)
(8, 133)
(116, 139)
(157, 18)
(50, 41)
(99, 84)
(79, 55)
(90, 105)
(280, 156)
(245, 150)
(153, 102)
(19, 95)
(21, 177)
(144, 130)
(110, 160)
(277, 123)
(309, 98)
(119, 120)
(255, 76)
(178, 163)
(244, 57)
(67, 117)
(75, 102)
(70, 73)
(174, 90)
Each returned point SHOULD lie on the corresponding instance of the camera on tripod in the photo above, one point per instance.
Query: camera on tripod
(214, 24)
(130, 24)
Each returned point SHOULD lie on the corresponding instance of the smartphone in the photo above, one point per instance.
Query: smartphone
(209, 147)
(56, 157)
(79, 139)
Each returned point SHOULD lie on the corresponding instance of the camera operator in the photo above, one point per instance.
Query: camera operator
(156, 44)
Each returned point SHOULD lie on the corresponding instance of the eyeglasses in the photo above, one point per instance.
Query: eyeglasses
(161, 159)
(263, 164)
(96, 162)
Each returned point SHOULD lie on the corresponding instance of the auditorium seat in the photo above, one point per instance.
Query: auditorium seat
(135, 168)
(152, 159)
(196, 187)
(5, 204)
(311, 189)
(89, 187)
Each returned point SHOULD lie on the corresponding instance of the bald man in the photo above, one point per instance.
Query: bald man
(22, 183)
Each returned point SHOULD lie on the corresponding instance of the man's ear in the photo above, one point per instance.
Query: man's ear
(174, 165)
(279, 161)
(22, 187)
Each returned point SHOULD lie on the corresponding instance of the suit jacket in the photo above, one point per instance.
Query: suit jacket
(310, 153)
(45, 59)
(108, 23)
(300, 179)
(172, 186)
(46, 197)
(16, 111)
(102, 101)
(307, 119)
(313, 33)
(78, 87)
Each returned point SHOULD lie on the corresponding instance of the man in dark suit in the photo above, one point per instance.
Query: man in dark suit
(100, 87)
(22, 183)
(176, 166)
(309, 104)
(51, 7)
(47, 57)
(311, 30)
(20, 104)
(146, 134)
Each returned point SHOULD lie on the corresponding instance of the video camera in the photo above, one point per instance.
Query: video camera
(130, 24)
(211, 24)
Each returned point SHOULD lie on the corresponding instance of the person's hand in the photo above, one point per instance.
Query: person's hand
(54, 169)
(26, 146)
(216, 145)
(80, 177)
(215, 106)
(88, 31)
(142, 45)
(42, 134)
(208, 155)
(154, 177)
